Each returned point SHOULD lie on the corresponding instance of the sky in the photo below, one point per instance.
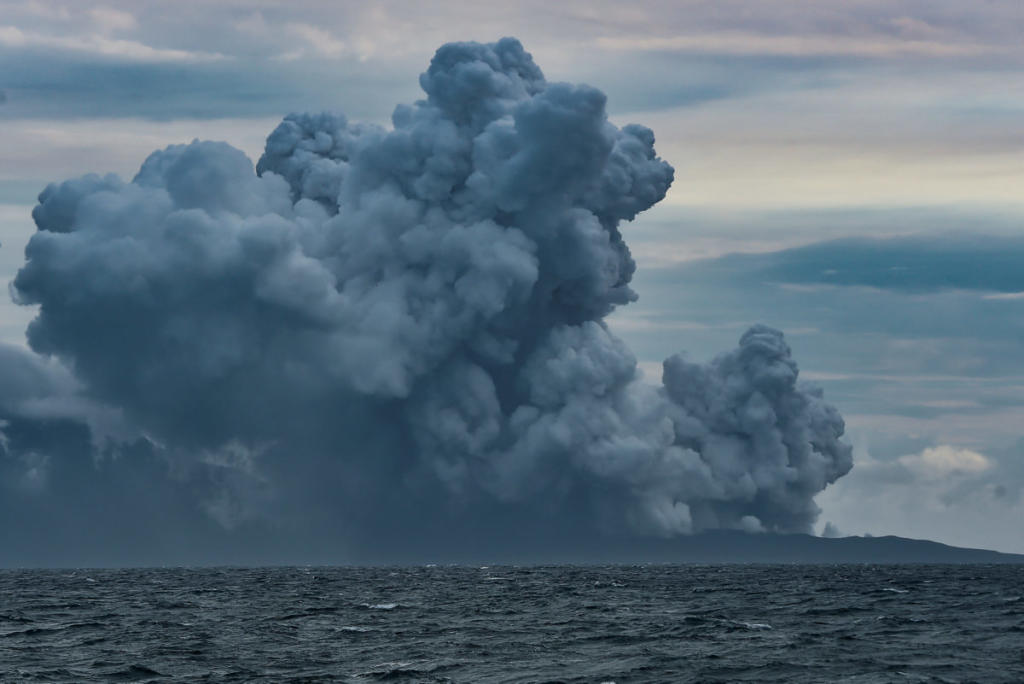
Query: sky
(849, 173)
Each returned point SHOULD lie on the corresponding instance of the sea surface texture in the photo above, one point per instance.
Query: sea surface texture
(678, 623)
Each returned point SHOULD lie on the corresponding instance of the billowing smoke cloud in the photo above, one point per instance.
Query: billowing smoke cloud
(393, 336)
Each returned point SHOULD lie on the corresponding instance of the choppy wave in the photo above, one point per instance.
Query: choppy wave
(622, 624)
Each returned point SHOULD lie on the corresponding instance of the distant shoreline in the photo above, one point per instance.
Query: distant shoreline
(710, 548)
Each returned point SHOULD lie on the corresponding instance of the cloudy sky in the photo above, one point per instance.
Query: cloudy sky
(848, 172)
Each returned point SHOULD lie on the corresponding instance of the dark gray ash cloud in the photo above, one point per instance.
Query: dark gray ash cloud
(393, 339)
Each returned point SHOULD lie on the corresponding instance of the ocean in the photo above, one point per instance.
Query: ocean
(656, 623)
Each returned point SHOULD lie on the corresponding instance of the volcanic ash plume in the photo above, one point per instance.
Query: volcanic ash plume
(388, 330)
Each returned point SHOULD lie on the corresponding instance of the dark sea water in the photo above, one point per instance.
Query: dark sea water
(678, 623)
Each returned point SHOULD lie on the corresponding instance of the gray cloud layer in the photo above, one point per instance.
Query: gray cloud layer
(916, 263)
(395, 337)
(234, 59)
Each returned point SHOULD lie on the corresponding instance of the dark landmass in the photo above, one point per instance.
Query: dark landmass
(739, 547)
(742, 547)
